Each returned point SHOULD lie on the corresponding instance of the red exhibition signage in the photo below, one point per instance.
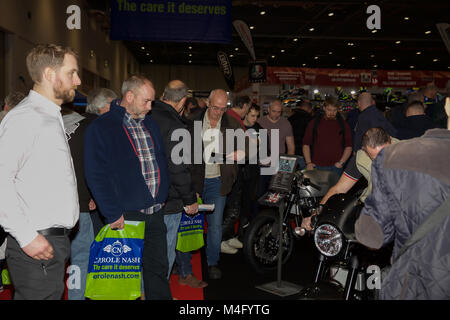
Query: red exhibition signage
(353, 77)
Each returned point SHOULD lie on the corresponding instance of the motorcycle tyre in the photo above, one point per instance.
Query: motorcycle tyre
(260, 220)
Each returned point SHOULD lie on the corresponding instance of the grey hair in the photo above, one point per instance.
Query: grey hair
(14, 98)
(175, 93)
(98, 98)
(132, 83)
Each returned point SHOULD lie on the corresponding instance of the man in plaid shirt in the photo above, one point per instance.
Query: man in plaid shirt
(126, 170)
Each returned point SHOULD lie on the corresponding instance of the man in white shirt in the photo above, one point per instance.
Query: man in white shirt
(39, 203)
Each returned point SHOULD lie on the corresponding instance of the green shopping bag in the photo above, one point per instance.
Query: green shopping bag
(6, 280)
(190, 232)
(114, 271)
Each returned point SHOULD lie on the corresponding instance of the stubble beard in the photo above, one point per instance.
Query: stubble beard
(65, 95)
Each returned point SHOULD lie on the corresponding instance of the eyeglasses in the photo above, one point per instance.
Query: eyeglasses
(214, 108)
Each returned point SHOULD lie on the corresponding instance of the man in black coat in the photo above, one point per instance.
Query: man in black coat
(416, 122)
(168, 114)
(299, 121)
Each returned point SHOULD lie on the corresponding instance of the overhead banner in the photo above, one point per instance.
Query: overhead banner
(246, 37)
(206, 21)
(225, 67)
(349, 78)
(355, 77)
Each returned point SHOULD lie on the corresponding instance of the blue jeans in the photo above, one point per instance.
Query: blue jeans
(211, 195)
(172, 222)
(301, 164)
(331, 168)
(79, 255)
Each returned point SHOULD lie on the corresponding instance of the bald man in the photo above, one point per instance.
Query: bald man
(213, 178)
(370, 117)
(168, 114)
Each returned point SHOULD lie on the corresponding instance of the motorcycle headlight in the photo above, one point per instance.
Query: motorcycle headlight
(328, 240)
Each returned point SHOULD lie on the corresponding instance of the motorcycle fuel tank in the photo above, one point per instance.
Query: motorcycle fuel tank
(323, 179)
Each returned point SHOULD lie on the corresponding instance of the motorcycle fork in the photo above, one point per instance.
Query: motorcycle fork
(351, 277)
(320, 269)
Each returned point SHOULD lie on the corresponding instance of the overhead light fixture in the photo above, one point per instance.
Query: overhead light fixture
(190, 54)
(151, 61)
(353, 92)
(331, 14)
(374, 31)
(353, 58)
(375, 66)
(273, 57)
(304, 64)
(338, 65)
(372, 56)
(231, 55)
(394, 60)
(295, 39)
(406, 18)
(418, 52)
(311, 29)
(143, 48)
(435, 60)
(398, 42)
(282, 50)
(148, 53)
(190, 61)
(411, 67)
(350, 44)
(252, 27)
(331, 52)
(190, 48)
(262, 13)
(427, 32)
(316, 57)
(236, 49)
(316, 91)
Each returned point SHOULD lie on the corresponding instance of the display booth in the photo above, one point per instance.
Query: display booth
(290, 85)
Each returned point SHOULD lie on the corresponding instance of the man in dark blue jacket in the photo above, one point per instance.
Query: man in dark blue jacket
(370, 117)
(126, 170)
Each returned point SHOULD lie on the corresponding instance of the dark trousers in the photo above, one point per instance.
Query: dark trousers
(38, 279)
(232, 208)
(155, 264)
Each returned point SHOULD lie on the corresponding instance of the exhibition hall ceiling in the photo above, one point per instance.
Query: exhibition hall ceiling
(318, 34)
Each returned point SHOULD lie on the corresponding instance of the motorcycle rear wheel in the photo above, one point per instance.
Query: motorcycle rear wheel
(261, 242)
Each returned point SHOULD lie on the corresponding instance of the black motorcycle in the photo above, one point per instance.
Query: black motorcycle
(346, 270)
(297, 195)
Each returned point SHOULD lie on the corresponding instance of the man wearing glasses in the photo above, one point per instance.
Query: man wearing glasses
(215, 176)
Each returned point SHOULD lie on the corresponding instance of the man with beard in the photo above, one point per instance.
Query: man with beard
(126, 170)
(327, 143)
(39, 190)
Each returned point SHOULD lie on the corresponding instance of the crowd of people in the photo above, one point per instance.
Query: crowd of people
(64, 174)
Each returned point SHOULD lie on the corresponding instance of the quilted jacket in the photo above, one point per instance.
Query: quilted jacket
(411, 179)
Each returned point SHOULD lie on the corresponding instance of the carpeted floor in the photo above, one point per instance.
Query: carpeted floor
(239, 281)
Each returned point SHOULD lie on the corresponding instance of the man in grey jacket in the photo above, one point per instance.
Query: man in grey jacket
(410, 180)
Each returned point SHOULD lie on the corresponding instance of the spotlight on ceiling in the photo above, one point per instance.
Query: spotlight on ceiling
(331, 14)
(398, 42)
(262, 13)
(311, 29)
(427, 32)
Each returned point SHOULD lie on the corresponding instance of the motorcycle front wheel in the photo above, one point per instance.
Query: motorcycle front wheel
(261, 242)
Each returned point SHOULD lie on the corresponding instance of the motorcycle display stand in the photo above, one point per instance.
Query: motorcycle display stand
(279, 287)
